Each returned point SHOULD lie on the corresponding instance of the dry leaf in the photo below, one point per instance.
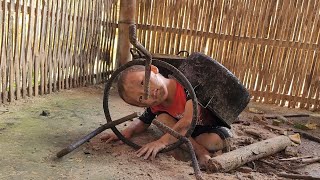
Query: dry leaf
(256, 111)
(295, 138)
(311, 126)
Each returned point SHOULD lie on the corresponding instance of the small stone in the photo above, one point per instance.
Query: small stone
(256, 118)
(244, 169)
(246, 123)
(260, 120)
(254, 110)
(96, 148)
(45, 113)
(86, 152)
(276, 122)
(116, 154)
(283, 119)
(291, 151)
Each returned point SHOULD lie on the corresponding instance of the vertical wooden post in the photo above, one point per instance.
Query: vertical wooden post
(127, 16)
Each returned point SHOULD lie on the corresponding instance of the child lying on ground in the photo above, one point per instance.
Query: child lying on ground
(170, 104)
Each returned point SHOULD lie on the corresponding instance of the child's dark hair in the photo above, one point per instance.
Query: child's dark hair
(123, 76)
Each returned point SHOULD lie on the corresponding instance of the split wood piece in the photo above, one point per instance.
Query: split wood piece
(311, 160)
(278, 166)
(253, 132)
(297, 176)
(286, 116)
(308, 136)
(261, 121)
(231, 160)
(277, 119)
(281, 130)
(295, 158)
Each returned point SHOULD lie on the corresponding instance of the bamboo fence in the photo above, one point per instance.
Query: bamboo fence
(272, 46)
(49, 45)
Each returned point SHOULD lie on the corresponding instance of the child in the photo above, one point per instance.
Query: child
(169, 103)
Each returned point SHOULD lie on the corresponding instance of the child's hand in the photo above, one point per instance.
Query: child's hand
(151, 149)
(112, 137)
(109, 137)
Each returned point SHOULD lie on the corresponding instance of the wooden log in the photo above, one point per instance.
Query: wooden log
(231, 160)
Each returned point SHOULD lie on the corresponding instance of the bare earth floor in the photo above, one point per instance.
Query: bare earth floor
(29, 141)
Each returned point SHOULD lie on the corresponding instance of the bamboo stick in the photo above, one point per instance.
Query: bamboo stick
(29, 60)
(10, 50)
(3, 56)
(55, 57)
(79, 44)
(36, 55)
(73, 65)
(16, 50)
(51, 60)
(44, 39)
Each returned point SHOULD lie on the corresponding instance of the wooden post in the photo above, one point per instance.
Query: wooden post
(127, 16)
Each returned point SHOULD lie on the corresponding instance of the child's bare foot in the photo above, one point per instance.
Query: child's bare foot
(203, 162)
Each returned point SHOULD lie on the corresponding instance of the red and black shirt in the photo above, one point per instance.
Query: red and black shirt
(177, 108)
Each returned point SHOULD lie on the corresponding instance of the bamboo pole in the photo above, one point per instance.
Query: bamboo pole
(127, 14)
(3, 55)
(43, 57)
(16, 50)
(36, 54)
(29, 59)
(10, 50)
(73, 65)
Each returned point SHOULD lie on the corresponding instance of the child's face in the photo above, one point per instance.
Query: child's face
(134, 89)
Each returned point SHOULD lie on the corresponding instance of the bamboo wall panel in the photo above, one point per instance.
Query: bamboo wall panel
(272, 46)
(47, 46)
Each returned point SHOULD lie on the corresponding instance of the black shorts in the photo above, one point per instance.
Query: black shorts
(223, 132)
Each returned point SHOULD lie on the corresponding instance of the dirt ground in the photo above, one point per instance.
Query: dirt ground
(30, 139)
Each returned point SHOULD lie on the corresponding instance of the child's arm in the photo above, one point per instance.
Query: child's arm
(135, 127)
(182, 126)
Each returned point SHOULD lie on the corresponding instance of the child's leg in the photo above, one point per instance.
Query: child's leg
(213, 139)
(202, 153)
